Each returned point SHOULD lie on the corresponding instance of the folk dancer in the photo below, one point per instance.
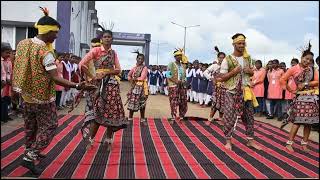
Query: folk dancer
(107, 109)
(177, 87)
(219, 91)
(138, 94)
(236, 71)
(304, 110)
(35, 77)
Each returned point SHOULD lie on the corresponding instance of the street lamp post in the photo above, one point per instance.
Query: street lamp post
(158, 44)
(185, 34)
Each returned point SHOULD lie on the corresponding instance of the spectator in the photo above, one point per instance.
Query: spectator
(195, 82)
(6, 75)
(275, 90)
(203, 85)
(153, 79)
(59, 88)
(258, 85)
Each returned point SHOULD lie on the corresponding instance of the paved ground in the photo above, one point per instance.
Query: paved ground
(157, 106)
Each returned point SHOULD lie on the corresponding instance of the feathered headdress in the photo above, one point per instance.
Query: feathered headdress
(44, 10)
(216, 49)
(136, 52)
(306, 48)
(104, 27)
(44, 28)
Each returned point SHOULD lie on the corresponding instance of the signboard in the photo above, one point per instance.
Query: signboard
(128, 36)
(132, 39)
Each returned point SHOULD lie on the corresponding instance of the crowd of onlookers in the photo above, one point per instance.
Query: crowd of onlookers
(273, 100)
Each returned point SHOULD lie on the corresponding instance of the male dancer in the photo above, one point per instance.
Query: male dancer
(236, 71)
(177, 86)
(35, 77)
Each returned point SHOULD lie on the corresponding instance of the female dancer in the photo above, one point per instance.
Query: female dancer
(106, 100)
(304, 108)
(138, 94)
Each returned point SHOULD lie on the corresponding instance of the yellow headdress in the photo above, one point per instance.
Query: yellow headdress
(242, 38)
(44, 29)
(95, 44)
(184, 59)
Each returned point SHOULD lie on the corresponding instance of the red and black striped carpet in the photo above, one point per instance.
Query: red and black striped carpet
(161, 150)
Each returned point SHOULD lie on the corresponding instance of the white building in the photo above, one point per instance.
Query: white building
(83, 26)
(77, 18)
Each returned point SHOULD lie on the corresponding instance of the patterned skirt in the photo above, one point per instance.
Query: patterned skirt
(104, 106)
(136, 98)
(218, 98)
(178, 99)
(304, 110)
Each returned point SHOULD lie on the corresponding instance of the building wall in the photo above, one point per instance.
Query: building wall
(84, 20)
(64, 11)
(75, 25)
(14, 25)
(81, 27)
(29, 10)
(74, 17)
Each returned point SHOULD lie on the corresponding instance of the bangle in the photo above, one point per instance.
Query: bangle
(77, 86)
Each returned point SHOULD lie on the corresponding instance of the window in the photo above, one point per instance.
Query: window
(7, 35)
(20, 34)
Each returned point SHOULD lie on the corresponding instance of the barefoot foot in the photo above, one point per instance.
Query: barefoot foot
(254, 145)
(89, 143)
(305, 148)
(289, 148)
(228, 146)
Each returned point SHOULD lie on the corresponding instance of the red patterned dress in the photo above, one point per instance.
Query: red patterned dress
(305, 108)
(138, 94)
(104, 105)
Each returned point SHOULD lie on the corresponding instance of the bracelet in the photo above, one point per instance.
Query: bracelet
(77, 86)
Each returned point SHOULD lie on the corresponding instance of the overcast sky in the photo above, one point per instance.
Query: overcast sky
(273, 29)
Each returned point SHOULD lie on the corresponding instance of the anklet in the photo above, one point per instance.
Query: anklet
(303, 142)
(289, 142)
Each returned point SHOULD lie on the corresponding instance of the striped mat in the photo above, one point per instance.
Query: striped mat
(185, 150)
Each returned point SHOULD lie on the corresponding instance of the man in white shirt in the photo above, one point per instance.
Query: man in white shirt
(194, 82)
(236, 71)
(189, 80)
